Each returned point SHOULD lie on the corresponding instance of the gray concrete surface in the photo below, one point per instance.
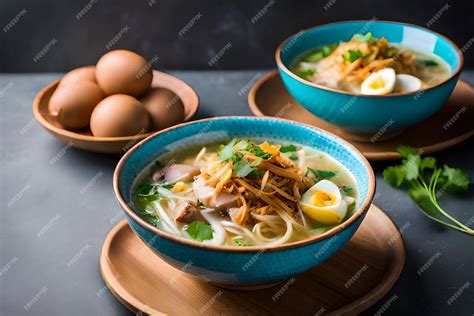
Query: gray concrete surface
(57, 206)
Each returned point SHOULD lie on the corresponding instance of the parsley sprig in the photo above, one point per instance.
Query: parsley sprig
(200, 231)
(426, 182)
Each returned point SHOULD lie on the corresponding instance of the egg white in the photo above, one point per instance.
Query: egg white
(386, 76)
(331, 214)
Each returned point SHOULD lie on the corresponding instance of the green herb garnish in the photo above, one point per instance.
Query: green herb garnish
(243, 168)
(305, 73)
(426, 182)
(168, 186)
(352, 55)
(235, 150)
(328, 49)
(323, 174)
(199, 231)
(287, 149)
(144, 194)
(314, 56)
(242, 242)
(257, 151)
(391, 52)
(347, 190)
(367, 38)
(293, 157)
(430, 63)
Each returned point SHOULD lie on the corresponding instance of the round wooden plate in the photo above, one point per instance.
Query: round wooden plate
(351, 281)
(111, 145)
(450, 126)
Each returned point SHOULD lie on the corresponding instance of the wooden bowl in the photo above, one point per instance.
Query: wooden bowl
(84, 139)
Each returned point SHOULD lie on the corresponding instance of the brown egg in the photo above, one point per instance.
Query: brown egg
(119, 115)
(79, 74)
(123, 71)
(165, 107)
(72, 105)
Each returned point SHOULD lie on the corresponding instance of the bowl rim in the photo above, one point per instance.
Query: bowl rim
(39, 115)
(285, 69)
(249, 249)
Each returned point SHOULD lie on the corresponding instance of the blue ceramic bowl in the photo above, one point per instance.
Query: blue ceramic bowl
(242, 266)
(363, 114)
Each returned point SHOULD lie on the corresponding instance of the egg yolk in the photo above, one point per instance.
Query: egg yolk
(377, 83)
(320, 198)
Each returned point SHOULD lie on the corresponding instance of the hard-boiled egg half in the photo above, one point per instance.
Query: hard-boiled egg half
(379, 83)
(407, 83)
(324, 203)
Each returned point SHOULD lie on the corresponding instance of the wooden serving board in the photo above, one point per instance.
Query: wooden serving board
(269, 97)
(352, 280)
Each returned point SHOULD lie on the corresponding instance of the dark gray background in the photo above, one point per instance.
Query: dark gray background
(154, 27)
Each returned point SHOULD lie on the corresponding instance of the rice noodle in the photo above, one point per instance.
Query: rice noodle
(200, 155)
(168, 223)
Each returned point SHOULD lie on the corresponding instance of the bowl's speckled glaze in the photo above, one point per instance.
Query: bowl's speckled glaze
(363, 114)
(243, 266)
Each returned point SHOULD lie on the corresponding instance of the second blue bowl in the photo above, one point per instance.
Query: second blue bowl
(363, 114)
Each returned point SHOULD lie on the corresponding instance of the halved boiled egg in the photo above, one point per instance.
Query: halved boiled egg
(407, 83)
(379, 83)
(324, 203)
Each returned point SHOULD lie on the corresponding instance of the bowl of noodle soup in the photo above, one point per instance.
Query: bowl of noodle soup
(369, 76)
(248, 201)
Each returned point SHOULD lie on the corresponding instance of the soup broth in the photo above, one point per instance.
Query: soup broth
(371, 66)
(245, 193)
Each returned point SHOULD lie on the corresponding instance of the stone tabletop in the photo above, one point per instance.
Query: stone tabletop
(57, 206)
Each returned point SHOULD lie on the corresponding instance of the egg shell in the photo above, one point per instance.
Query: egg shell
(79, 74)
(119, 115)
(123, 72)
(164, 106)
(72, 105)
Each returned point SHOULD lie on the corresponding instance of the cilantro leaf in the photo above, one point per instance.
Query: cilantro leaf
(199, 231)
(427, 183)
(394, 175)
(328, 49)
(305, 73)
(324, 174)
(149, 218)
(367, 38)
(243, 168)
(411, 167)
(289, 148)
(430, 63)
(226, 152)
(242, 242)
(406, 150)
(352, 55)
(427, 163)
(347, 190)
(293, 157)
(146, 193)
(391, 52)
(314, 56)
(456, 180)
(257, 151)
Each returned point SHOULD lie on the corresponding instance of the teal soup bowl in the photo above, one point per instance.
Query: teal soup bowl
(368, 114)
(234, 266)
